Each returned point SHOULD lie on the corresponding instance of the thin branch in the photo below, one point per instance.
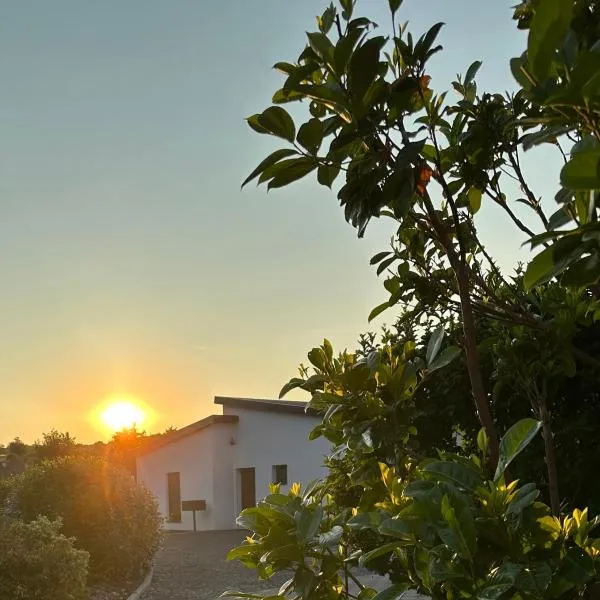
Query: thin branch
(535, 204)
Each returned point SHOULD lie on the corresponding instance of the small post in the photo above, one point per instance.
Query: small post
(194, 513)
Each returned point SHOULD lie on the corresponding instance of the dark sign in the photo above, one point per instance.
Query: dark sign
(188, 505)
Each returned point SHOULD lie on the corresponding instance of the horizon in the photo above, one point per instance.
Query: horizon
(133, 265)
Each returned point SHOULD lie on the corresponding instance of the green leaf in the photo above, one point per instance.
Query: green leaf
(553, 260)
(483, 440)
(277, 121)
(471, 72)
(267, 162)
(377, 552)
(550, 23)
(460, 534)
(292, 384)
(583, 272)
(391, 593)
(364, 66)
(379, 257)
(523, 498)
(322, 45)
(294, 169)
(444, 358)
(394, 6)
(582, 172)
(310, 135)
(326, 174)
(378, 310)
(534, 579)
(558, 219)
(459, 474)
(332, 536)
(514, 442)
(474, 197)
(317, 358)
(434, 344)
(308, 522)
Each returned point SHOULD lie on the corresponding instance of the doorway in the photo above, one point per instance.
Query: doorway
(247, 487)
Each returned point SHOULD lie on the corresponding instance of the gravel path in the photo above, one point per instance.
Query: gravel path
(192, 566)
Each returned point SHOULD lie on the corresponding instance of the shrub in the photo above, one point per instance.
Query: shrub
(110, 515)
(37, 562)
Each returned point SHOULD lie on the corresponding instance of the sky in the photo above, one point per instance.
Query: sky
(131, 263)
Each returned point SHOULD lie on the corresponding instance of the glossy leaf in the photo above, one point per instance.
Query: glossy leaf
(548, 28)
(471, 72)
(378, 310)
(294, 169)
(394, 6)
(444, 358)
(310, 135)
(514, 441)
(552, 261)
(459, 534)
(456, 473)
(326, 174)
(434, 345)
(392, 592)
(276, 121)
(267, 162)
(582, 172)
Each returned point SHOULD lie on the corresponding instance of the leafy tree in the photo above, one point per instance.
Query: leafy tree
(447, 525)
(54, 445)
(375, 118)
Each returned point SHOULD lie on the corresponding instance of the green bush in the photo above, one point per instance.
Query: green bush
(110, 515)
(37, 562)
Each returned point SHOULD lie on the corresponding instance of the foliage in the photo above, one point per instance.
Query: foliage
(37, 562)
(559, 77)
(449, 523)
(443, 526)
(54, 445)
(101, 505)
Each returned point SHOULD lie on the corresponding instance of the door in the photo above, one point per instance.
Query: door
(174, 497)
(247, 487)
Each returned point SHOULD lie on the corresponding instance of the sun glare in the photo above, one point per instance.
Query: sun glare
(122, 414)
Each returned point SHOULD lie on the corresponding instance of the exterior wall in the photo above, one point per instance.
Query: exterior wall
(267, 438)
(193, 457)
(208, 461)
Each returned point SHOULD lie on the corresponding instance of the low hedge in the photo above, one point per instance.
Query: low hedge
(37, 562)
(101, 506)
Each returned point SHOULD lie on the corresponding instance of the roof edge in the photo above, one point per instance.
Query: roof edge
(191, 429)
(280, 406)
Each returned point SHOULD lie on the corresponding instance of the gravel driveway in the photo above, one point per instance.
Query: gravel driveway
(192, 566)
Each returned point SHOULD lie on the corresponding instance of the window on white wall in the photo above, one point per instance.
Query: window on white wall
(280, 474)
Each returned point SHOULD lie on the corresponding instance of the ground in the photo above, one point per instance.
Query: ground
(192, 566)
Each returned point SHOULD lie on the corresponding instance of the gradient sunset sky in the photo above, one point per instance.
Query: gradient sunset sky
(130, 261)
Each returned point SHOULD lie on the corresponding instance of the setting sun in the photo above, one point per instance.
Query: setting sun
(121, 414)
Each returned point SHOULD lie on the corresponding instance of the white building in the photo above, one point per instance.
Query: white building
(225, 463)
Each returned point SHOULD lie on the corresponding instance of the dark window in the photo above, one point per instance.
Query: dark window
(174, 497)
(280, 474)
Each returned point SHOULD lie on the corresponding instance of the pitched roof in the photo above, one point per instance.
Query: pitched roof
(283, 406)
(191, 429)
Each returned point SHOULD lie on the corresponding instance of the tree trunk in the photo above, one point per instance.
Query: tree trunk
(550, 456)
(472, 356)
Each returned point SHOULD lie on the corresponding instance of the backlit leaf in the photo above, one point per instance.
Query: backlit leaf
(514, 441)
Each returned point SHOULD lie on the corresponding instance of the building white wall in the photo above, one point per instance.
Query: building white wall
(267, 438)
(208, 460)
(194, 458)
